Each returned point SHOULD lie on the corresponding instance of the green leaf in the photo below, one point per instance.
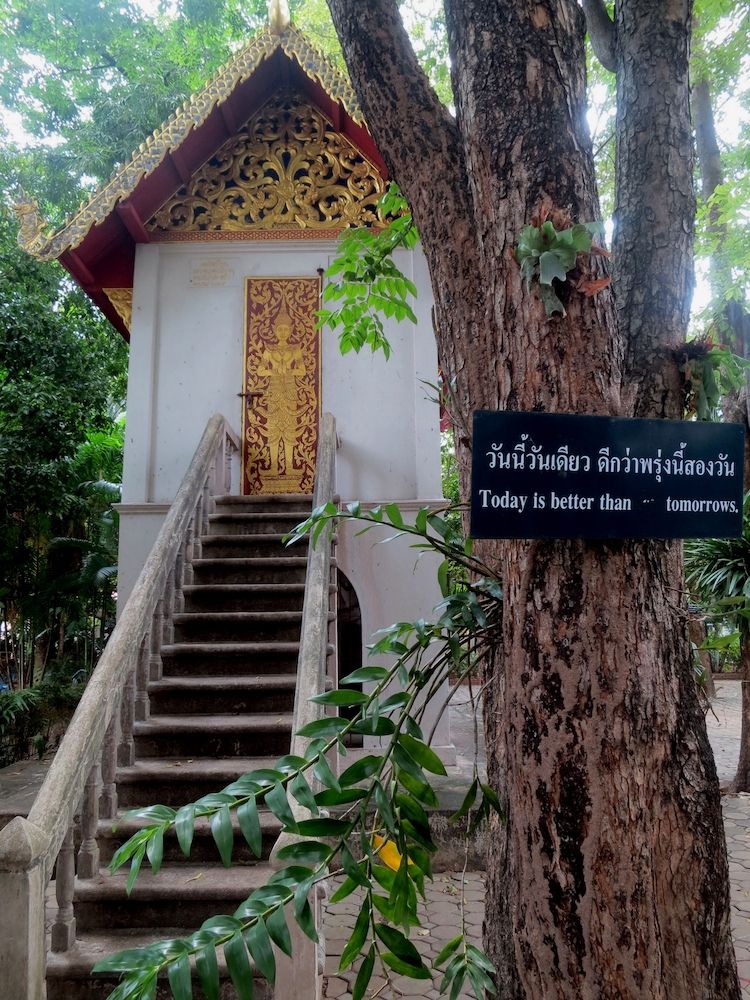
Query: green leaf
(155, 851)
(135, 867)
(374, 727)
(468, 802)
(393, 514)
(208, 972)
(221, 828)
(365, 674)
(184, 825)
(259, 943)
(447, 950)
(581, 236)
(330, 797)
(247, 817)
(421, 791)
(278, 930)
(178, 974)
(406, 762)
(494, 801)
(552, 303)
(302, 792)
(342, 698)
(161, 813)
(551, 267)
(305, 852)
(355, 943)
(405, 968)
(364, 975)
(303, 913)
(361, 769)
(346, 888)
(409, 807)
(393, 701)
(422, 754)
(443, 576)
(350, 866)
(132, 959)
(383, 805)
(325, 775)
(330, 726)
(398, 944)
(479, 958)
(276, 801)
(238, 964)
(126, 852)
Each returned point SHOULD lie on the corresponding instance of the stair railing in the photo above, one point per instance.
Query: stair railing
(294, 976)
(81, 778)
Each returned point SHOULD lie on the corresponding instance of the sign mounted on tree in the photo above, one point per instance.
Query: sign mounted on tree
(549, 475)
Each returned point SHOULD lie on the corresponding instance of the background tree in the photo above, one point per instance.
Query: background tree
(597, 678)
(61, 372)
(611, 868)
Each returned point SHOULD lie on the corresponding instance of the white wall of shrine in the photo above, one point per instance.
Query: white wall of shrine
(186, 363)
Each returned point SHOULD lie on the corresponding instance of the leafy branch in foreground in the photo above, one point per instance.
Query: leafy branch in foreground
(378, 837)
(369, 282)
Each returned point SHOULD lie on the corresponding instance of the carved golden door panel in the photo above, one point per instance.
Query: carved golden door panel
(282, 385)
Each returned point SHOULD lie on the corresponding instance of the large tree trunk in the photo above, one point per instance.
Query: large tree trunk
(609, 879)
(733, 322)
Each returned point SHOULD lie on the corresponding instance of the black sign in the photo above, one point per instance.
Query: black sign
(548, 475)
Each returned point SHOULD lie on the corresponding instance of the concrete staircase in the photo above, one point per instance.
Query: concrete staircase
(222, 706)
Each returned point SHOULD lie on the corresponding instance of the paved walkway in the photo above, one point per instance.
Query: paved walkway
(441, 914)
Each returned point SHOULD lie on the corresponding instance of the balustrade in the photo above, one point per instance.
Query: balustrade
(81, 778)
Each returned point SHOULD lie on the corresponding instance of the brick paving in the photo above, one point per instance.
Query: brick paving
(441, 914)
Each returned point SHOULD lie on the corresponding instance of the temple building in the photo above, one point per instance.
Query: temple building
(207, 251)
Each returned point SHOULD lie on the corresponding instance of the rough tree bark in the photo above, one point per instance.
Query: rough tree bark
(734, 326)
(609, 879)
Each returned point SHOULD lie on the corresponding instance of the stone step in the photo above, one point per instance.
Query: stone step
(176, 781)
(112, 833)
(210, 659)
(261, 569)
(249, 546)
(244, 597)
(212, 735)
(237, 626)
(255, 522)
(182, 893)
(228, 694)
(270, 502)
(69, 973)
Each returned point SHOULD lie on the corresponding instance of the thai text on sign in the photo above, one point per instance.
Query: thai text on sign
(543, 475)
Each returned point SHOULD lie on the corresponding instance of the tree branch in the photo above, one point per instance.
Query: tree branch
(414, 132)
(602, 33)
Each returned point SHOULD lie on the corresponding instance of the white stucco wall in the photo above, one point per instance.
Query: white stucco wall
(186, 363)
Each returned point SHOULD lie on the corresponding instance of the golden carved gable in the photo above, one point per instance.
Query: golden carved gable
(286, 169)
(122, 300)
(34, 236)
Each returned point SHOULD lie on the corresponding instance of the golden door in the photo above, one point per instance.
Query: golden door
(281, 385)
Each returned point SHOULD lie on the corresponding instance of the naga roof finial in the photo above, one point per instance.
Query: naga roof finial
(31, 236)
(279, 18)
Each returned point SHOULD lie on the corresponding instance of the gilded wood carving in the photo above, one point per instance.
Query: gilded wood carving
(34, 236)
(282, 385)
(286, 169)
(122, 300)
